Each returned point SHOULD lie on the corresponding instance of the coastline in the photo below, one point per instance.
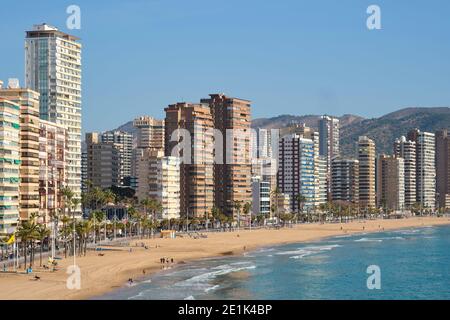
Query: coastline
(102, 274)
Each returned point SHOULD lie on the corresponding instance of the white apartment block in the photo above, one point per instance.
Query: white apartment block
(407, 150)
(53, 68)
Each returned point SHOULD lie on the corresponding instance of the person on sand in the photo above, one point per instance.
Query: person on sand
(171, 260)
(143, 271)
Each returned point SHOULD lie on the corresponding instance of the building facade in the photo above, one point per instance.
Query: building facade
(150, 132)
(192, 126)
(159, 179)
(260, 197)
(28, 100)
(443, 168)
(124, 143)
(329, 138)
(345, 180)
(366, 157)
(103, 162)
(53, 149)
(232, 173)
(425, 167)
(9, 165)
(390, 183)
(53, 68)
(296, 171)
(406, 149)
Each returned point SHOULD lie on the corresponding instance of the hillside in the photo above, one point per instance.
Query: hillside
(383, 130)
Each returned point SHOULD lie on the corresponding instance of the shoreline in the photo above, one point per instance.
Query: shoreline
(103, 274)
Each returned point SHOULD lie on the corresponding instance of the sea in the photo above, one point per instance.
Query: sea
(405, 264)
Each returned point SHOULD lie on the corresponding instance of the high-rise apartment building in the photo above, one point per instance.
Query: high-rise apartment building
(366, 157)
(9, 165)
(159, 179)
(260, 197)
(124, 143)
(329, 143)
(28, 100)
(53, 148)
(102, 162)
(390, 182)
(296, 171)
(150, 132)
(191, 126)
(345, 180)
(425, 167)
(53, 68)
(84, 175)
(407, 150)
(443, 168)
(232, 173)
(261, 143)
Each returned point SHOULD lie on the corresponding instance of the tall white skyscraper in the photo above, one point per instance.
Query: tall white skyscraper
(53, 68)
(329, 143)
(425, 167)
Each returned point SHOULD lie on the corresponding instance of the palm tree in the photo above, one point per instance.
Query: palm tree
(300, 201)
(275, 193)
(131, 213)
(237, 207)
(42, 233)
(247, 210)
(27, 233)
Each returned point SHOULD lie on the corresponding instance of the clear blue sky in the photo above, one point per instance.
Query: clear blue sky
(287, 56)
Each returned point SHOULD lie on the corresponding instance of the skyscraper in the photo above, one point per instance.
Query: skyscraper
(53, 68)
(443, 168)
(407, 150)
(159, 179)
(197, 168)
(9, 165)
(102, 162)
(124, 143)
(260, 197)
(150, 132)
(52, 170)
(366, 157)
(328, 142)
(296, 171)
(390, 182)
(425, 167)
(232, 174)
(28, 100)
(345, 180)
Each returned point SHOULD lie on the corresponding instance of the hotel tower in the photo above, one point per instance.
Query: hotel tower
(53, 68)
(366, 157)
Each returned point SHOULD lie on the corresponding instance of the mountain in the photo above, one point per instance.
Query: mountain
(384, 130)
(309, 120)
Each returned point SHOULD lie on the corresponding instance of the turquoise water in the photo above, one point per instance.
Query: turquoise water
(414, 264)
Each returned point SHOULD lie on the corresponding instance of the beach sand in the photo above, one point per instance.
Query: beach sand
(101, 274)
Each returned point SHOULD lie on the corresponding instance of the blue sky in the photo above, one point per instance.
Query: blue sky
(287, 56)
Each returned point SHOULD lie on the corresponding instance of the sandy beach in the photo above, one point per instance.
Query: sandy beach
(101, 274)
